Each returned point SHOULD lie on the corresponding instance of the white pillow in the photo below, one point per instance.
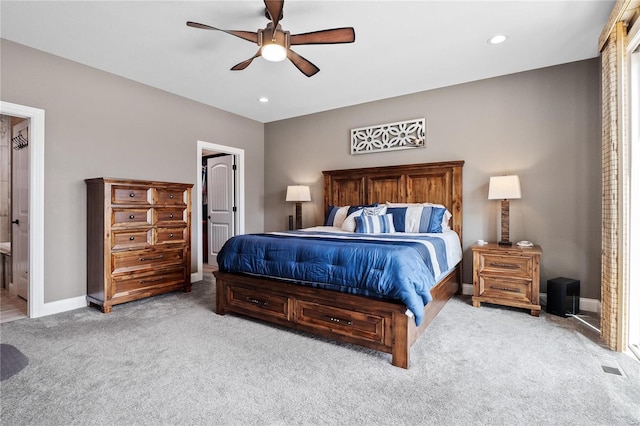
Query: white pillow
(349, 223)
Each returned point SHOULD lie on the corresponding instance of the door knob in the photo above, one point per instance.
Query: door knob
(17, 221)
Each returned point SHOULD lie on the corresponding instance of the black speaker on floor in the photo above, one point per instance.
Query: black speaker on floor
(563, 296)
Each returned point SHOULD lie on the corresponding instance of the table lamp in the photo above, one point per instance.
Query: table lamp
(298, 194)
(504, 188)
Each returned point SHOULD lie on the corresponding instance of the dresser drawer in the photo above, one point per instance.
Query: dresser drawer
(513, 266)
(131, 240)
(121, 217)
(341, 321)
(249, 300)
(175, 235)
(504, 288)
(170, 216)
(122, 194)
(139, 260)
(171, 196)
(129, 284)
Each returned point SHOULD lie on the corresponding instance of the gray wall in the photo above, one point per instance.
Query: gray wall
(543, 125)
(98, 124)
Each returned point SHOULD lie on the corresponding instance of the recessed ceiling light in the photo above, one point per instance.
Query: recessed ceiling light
(497, 39)
(263, 99)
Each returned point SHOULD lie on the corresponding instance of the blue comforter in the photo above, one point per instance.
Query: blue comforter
(388, 266)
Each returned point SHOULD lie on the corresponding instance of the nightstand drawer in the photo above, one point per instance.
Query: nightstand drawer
(503, 288)
(513, 266)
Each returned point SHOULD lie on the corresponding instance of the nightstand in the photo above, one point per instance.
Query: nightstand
(507, 275)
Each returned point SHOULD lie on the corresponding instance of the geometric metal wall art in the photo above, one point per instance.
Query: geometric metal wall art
(388, 137)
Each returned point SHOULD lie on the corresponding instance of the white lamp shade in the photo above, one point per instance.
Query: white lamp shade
(504, 187)
(298, 193)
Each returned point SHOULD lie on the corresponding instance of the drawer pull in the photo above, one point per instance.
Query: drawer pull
(171, 196)
(170, 215)
(262, 303)
(131, 216)
(155, 280)
(505, 265)
(133, 194)
(142, 259)
(170, 235)
(131, 238)
(513, 290)
(336, 320)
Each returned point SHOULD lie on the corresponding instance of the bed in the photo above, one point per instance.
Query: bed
(380, 323)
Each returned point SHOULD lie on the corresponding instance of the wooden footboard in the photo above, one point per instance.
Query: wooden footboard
(378, 324)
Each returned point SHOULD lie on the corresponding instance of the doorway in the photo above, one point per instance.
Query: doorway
(219, 205)
(204, 149)
(35, 263)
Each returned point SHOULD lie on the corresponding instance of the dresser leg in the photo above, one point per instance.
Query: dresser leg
(475, 304)
(106, 309)
(187, 288)
(535, 312)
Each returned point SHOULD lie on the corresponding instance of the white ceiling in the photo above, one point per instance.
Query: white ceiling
(401, 46)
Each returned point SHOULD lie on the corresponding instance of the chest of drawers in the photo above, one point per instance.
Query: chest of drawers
(507, 275)
(138, 239)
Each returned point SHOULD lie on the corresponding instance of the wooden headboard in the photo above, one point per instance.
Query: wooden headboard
(438, 183)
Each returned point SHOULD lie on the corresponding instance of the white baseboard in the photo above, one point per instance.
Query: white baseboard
(467, 289)
(588, 305)
(63, 305)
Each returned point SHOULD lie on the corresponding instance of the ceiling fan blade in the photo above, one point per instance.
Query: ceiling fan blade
(302, 64)
(242, 65)
(245, 35)
(332, 36)
(274, 7)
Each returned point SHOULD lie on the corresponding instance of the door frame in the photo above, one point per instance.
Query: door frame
(239, 183)
(633, 227)
(35, 302)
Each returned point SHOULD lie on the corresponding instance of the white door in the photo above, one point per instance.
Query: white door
(20, 213)
(220, 204)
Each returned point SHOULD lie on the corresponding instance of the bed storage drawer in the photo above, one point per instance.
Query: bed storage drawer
(340, 321)
(251, 301)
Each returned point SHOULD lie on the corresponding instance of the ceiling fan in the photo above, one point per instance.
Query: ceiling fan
(275, 43)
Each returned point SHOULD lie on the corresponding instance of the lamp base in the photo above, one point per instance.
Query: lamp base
(505, 243)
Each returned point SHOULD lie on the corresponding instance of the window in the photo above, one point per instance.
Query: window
(633, 49)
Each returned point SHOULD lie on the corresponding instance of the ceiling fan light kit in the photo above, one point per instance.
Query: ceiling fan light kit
(273, 52)
(274, 43)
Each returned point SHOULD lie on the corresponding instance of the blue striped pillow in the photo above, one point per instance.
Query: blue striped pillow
(418, 218)
(376, 224)
(431, 219)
